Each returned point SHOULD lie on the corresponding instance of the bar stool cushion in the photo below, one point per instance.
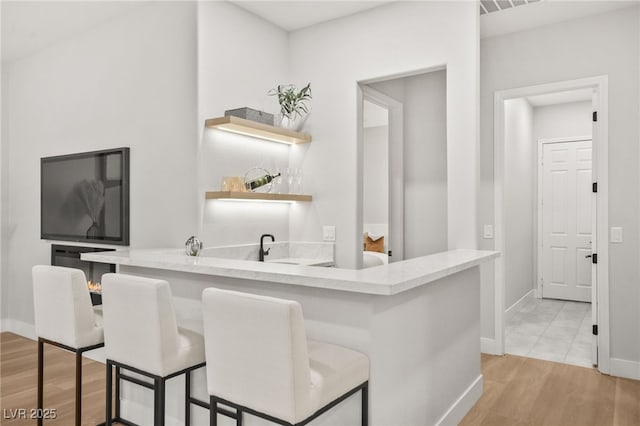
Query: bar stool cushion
(334, 370)
(258, 357)
(141, 329)
(62, 307)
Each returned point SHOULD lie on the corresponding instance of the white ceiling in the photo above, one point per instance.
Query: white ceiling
(293, 15)
(542, 13)
(581, 95)
(29, 26)
(296, 14)
(492, 6)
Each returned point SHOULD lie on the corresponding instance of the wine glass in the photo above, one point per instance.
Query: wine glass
(294, 180)
(290, 177)
(277, 183)
(298, 178)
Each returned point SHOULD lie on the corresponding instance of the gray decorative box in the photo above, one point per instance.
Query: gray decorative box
(251, 114)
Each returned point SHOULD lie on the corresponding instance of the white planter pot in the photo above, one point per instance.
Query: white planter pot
(295, 124)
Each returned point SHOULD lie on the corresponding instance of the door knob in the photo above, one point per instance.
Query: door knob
(587, 256)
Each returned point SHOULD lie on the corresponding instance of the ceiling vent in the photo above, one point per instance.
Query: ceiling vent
(490, 6)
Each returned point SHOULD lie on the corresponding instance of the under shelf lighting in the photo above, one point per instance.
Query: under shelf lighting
(257, 130)
(256, 196)
(239, 200)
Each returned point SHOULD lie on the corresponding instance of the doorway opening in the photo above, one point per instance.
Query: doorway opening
(550, 295)
(375, 170)
(403, 212)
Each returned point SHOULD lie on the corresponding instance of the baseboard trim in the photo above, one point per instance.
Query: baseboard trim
(519, 301)
(625, 368)
(19, 327)
(488, 346)
(463, 404)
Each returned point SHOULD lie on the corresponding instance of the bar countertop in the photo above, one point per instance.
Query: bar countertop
(388, 279)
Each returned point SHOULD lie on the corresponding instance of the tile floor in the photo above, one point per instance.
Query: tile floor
(553, 330)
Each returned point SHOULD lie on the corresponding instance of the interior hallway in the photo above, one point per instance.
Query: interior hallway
(553, 330)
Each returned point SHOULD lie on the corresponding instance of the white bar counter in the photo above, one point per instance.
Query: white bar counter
(388, 279)
(418, 321)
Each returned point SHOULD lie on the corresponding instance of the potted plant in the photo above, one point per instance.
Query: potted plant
(293, 108)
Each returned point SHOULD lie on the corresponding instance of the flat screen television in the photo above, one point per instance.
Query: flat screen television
(85, 197)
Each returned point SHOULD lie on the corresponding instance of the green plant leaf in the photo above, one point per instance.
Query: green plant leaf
(292, 101)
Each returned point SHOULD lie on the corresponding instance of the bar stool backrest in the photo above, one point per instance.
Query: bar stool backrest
(256, 353)
(63, 311)
(140, 326)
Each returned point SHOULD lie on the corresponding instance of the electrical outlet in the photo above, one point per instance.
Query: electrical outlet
(616, 234)
(328, 233)
(488, 232)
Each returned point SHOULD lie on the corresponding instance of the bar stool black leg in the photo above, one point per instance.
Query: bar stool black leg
(238, 417)
(156, 401)
(365, 405)
(187, 398)
(40, 379)
(109, 392)
(159, 402)
(78, 387)
(117, 392)
(158, 386)
(213, 411)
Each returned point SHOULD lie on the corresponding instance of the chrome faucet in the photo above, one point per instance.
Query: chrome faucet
(262, 253)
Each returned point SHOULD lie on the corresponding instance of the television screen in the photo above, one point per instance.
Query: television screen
(85, 197)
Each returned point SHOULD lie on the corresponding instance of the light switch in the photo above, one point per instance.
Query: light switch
(328, 233)
(488, 231)
(616, 234)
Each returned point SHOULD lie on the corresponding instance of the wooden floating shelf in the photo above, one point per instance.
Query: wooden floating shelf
(257, 130)
(256, 196)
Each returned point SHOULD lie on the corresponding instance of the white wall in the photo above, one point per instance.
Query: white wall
(562, 120)
(425, 159)
(375, 207)
(129, 82)
(518, 200)
(607, 44)
(425, 164)
(240, 57)
(386, 41)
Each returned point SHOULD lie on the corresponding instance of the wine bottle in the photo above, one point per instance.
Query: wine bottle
(256, 183)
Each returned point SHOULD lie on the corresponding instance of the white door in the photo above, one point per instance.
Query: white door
(566, 220)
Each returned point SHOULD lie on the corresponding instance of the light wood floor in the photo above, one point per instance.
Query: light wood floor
(517, 391)
(522, 391)
(18, 383)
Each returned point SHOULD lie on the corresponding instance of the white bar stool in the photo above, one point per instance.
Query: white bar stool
(142, 336)
(260, 362)
(65, 318)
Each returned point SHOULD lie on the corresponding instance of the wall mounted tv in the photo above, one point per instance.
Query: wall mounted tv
(85, 197)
